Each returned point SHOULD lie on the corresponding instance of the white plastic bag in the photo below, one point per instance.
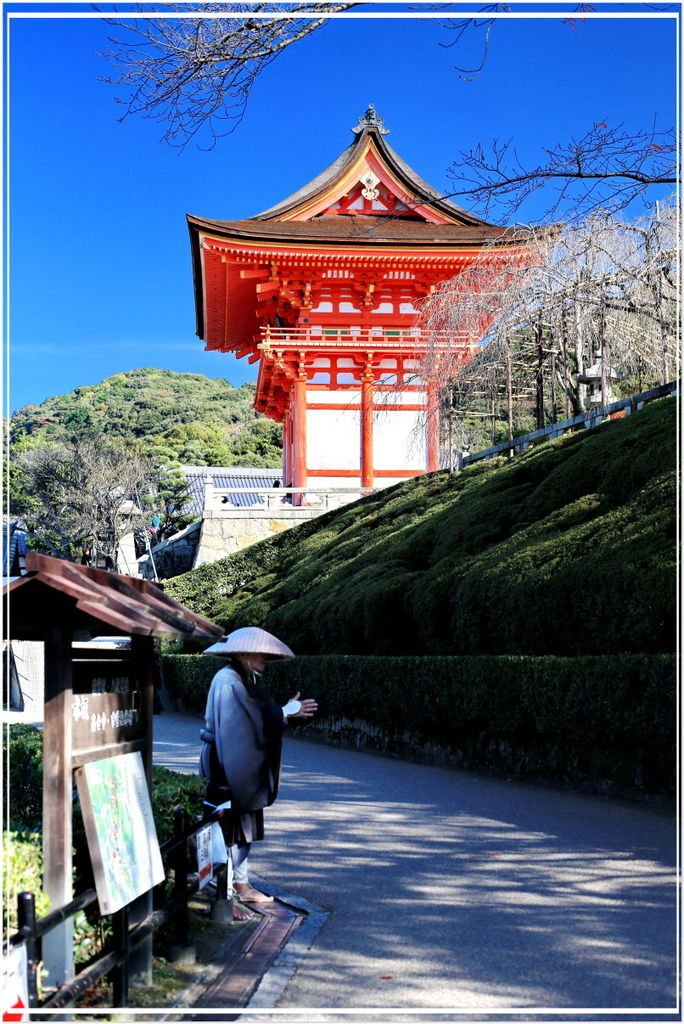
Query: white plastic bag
(219, 853)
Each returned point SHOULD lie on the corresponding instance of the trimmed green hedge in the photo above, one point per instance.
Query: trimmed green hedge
(603, 722)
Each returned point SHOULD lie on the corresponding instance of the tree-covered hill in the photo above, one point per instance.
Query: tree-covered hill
(567, 549)
(181, 417)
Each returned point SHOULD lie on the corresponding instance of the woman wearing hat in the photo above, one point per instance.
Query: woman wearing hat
(242, 743)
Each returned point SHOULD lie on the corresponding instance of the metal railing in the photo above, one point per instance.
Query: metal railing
(586, 420)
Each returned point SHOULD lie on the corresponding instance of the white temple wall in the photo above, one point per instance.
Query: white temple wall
(333, 439)
(399, 440)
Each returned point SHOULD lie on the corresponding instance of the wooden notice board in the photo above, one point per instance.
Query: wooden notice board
(109, 705)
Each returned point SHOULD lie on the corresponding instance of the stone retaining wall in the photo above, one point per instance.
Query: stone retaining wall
(225, 532)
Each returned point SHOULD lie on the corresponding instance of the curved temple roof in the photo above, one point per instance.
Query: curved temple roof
(367, 203)
(371, 130)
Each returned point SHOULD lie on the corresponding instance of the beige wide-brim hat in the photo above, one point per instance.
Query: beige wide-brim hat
(251, 640)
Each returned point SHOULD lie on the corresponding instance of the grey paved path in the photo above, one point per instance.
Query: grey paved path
(452, 893)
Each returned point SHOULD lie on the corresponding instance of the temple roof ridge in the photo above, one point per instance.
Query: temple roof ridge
(315, 185)
(371, 119)
(370, 131)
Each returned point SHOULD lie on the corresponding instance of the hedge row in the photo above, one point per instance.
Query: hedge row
(601, 722)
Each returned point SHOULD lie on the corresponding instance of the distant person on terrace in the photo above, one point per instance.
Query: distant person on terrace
(242, 743)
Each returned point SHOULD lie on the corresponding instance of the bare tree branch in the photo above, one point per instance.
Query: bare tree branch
(193, 71)
(196, 71)
(606, 167)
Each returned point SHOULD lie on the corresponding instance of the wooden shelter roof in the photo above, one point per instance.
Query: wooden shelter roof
(93, 597)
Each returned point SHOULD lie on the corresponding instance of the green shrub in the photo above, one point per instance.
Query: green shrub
(601, 720)
(187, 678)
(22, 871)
(568, 549)
(22, 863)
(171, 790)
(22, 749)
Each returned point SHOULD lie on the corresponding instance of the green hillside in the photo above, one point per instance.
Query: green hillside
(183, 417)
(568, 549)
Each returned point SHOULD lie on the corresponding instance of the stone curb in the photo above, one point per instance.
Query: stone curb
(270, 987)
(275, 980)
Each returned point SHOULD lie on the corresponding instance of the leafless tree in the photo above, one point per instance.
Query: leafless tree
(193, 69)
(85, 496)
(480, 29)
(592, 308)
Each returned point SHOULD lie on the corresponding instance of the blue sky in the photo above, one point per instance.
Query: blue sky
(99, 271)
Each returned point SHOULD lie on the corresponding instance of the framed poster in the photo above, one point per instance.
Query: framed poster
(122, 839)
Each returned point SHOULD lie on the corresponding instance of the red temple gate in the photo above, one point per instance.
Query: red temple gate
(323, 290)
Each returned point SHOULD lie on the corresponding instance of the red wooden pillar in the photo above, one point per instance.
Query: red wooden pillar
(287, 446)
(367, 476)
(432, 428)
(299, 477)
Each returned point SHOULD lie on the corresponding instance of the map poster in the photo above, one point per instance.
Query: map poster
(122, 839)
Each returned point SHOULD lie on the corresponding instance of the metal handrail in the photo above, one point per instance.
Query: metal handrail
(591, 418)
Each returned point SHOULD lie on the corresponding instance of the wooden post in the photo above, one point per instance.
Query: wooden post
(180, 882)
(142, 672)
(58, 788)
